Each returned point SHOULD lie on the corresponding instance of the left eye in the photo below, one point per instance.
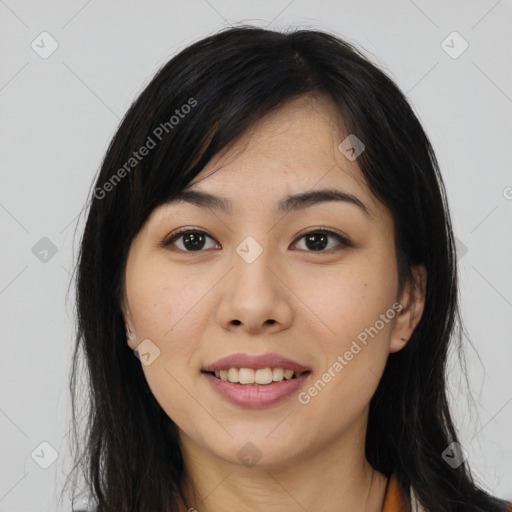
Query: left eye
(193, 240)
(318, 240)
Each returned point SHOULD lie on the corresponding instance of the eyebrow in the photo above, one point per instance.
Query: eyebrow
(288, 204)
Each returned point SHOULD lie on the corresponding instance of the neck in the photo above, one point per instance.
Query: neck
(335, 478)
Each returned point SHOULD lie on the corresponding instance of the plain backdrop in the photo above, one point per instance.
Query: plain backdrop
(59, 111)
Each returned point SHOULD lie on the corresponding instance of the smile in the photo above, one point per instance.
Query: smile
(254, 395)
(260, 376)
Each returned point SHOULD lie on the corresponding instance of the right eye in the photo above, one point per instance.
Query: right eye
(191, 240)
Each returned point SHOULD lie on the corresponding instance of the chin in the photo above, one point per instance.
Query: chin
(257, 451)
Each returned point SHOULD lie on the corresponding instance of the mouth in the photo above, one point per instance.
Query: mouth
(248, 380)
(256, 387)
(256, 377)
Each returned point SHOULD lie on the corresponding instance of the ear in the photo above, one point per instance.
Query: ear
(412, 301)
(131, 337)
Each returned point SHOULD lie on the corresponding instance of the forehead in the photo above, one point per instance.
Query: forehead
(293, 149)
(302, 128)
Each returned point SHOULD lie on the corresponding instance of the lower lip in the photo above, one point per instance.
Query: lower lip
(256, 395)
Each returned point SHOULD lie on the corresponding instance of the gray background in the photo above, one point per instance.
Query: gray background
(58, 115)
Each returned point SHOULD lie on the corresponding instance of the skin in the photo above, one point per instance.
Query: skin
(201, 305)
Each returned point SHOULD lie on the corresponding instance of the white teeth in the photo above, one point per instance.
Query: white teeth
(246, 376)
(263, 376)
(233, 375)
(259, 376)
(277, 374)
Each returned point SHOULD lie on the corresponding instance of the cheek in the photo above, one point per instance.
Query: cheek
(167, 310)
(165, 303)
(357, 306)
(348, 299)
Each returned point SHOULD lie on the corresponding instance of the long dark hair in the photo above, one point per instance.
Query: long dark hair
(198, 103)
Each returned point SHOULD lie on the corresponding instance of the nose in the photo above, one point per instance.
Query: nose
(254, 297)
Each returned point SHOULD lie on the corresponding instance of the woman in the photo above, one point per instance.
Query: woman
(269, 236)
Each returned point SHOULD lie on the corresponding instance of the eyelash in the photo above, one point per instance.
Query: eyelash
(345, 242)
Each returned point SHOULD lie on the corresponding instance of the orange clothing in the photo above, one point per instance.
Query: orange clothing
(395, 499)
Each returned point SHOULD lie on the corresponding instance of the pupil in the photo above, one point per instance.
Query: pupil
(194, 241)
(314, 238)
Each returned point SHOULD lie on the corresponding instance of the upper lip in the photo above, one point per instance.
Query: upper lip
(270, 360)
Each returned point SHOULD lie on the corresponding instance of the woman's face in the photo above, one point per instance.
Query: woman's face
(249, 282)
